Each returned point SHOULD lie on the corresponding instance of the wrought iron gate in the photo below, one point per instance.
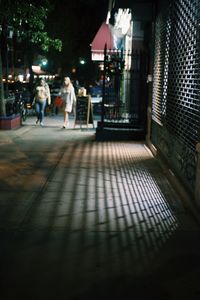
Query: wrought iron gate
(123, 105)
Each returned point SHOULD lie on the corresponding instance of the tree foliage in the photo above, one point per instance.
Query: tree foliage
(28, 19)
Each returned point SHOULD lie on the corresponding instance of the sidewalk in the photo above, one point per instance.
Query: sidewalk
(81, 219)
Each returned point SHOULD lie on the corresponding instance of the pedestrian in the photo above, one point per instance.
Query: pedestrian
(55, 90)
(69, 99)
(82, 92)
(41, 99)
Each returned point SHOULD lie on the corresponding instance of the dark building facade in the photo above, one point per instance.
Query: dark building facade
(164, 82)
(175, 95)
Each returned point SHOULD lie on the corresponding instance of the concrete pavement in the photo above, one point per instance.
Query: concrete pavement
(81, 219)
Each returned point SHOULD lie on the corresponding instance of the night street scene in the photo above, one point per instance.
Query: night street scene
(99, 150)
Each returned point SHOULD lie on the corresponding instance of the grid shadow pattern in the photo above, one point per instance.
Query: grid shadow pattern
(105, 210)
(176, 103)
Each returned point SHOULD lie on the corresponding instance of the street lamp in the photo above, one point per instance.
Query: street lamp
(82, 61)
(44, 62)
(8, 35)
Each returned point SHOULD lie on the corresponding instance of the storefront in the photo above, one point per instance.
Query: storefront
(118, 48)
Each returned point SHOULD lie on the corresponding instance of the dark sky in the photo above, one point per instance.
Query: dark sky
(76, 23)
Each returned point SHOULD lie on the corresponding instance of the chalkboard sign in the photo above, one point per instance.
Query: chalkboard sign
(84, 114)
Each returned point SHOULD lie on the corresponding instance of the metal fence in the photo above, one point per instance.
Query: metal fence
(124, 98)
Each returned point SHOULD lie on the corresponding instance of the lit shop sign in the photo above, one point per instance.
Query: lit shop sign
(123, 20)
(122, 32)
(98, 56)
(121, 28)
(113, 36)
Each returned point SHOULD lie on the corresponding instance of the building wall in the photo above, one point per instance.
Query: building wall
(176, 88)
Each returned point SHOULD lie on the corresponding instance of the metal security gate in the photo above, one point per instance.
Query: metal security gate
(176, 87)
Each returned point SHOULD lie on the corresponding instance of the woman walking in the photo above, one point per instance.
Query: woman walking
(69, 98)
(42, 95)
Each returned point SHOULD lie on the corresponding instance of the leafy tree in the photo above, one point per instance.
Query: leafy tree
(28, 20)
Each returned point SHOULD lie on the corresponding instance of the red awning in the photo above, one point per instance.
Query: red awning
(102, 38)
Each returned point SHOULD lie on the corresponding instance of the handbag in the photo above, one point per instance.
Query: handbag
(58, 101)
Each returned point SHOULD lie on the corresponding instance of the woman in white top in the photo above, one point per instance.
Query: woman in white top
(42, 95)
(69, 98)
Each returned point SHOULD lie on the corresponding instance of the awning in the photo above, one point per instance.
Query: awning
(38, 71)
(102, 38)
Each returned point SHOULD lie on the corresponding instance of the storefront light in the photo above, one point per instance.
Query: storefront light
(82, 62)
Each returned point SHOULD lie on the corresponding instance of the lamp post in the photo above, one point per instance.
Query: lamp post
(6, 60)
(82, 61)
(44, 62)
(2, 103)
(8, 34)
